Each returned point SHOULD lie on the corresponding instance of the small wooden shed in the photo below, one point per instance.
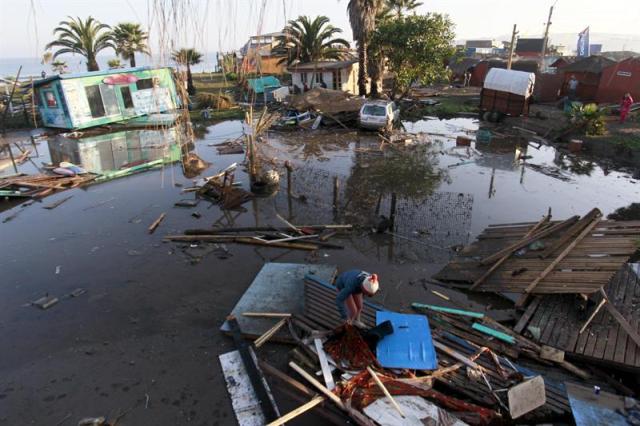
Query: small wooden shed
(507, 91)
(588, 72)
(82, 100)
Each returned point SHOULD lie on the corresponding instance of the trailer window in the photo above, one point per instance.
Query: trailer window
(95, 101)
(51, 99)
(146, 83)
(125, 91)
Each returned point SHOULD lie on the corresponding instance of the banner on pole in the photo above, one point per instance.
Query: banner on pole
(583, 43)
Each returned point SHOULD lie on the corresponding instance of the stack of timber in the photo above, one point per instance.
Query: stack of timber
(41, 185)
(577, 256)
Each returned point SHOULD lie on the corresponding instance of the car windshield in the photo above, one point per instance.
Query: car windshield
(374, 110)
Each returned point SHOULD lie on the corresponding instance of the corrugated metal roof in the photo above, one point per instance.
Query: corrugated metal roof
(593, 64)
(91, 74)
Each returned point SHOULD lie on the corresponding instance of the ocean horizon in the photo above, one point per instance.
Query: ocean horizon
(33, 67)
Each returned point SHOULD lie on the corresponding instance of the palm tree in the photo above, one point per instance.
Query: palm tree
(188, 57)
(362, 16)
(305, 40)
(129, 38)
(85, 38)
(399, 6)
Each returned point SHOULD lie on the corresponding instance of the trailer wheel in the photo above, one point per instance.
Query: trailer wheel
(486, 115)
(495, 117)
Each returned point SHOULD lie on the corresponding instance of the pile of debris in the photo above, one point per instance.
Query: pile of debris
(41, 185)
(334, 105)
(443, 366)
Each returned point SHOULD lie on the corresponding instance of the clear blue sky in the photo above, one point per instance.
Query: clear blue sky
(211, 25)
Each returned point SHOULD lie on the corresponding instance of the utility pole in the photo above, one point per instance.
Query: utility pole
(512, 46)
(546, 38)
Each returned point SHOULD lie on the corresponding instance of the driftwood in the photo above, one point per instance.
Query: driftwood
(156, 223)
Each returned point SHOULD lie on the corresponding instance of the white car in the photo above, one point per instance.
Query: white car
(378, 114)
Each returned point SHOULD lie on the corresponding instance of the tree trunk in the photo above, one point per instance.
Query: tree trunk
(132, 60)
(92, 64)
(191, 89)
(362, 69)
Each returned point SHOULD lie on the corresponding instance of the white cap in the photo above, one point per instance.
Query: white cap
(370, 284)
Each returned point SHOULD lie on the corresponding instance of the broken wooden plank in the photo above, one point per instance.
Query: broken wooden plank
(526, 317)
(266, 315)
(267, 335)
(156, 223)
(384, 390)
(593, 314)
(633, 334)
(324, 364)
(577, 227)
(317, 400)
(523, 243)
(504, 258)
(526, 397)
(56, 203)
(564, 253)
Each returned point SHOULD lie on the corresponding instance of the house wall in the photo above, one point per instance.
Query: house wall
(349, 77)
(74, 105)
(621, 78)
(587, 85)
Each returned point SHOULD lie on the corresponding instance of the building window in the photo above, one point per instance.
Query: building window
(337, 80)
(303, 77)
(147, 83)
(95, 101)
(319, 78)
(125, 91)
(109, 99)
(50, 97)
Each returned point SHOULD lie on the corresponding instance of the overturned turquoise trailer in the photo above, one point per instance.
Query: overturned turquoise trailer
(82, 100)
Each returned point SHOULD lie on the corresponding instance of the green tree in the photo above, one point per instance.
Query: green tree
(362, 16)
(305, 40)
(114, 63)
(397, 7)
(129, 38)
(416, 48)
(85, 38)
(188, 57)
(59, 66)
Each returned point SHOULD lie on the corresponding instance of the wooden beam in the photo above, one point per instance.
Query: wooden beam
(300, 410)
(523, 243)
(266, 315)
(632, 332)
(385, 391)
(593, 315)
(269, 333)
(324, 364)
(564, 254)
(577, 227)
(156, 223)
(526, 317)
(504, 258)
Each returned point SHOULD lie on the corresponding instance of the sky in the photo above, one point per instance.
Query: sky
(213, 25)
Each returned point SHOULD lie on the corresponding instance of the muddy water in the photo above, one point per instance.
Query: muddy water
(147, 324)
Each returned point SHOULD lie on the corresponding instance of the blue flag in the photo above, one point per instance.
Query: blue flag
(583, 43)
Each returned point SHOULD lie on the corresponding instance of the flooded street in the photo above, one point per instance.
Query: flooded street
(145, 333)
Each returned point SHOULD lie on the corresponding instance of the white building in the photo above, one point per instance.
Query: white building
(335, 75)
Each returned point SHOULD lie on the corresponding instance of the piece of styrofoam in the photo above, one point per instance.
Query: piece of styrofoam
(243, 398)
(417, 411)
(526, 396)
(409, 346)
